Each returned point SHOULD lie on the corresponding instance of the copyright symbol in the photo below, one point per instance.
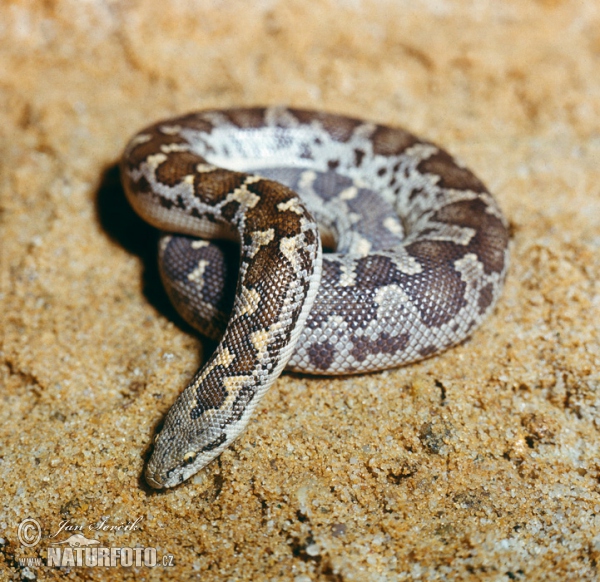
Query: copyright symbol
(30, 532)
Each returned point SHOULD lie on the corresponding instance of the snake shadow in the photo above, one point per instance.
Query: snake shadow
(127, 229)
(123, 226)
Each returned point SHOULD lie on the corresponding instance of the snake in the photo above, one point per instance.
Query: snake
(307, 241)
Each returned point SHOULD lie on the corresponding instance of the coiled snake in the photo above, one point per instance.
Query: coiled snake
(421, 251)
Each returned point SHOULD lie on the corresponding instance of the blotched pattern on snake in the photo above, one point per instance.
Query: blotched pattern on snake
(420, 251)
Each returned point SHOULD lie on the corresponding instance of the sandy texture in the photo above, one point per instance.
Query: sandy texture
(480, 464)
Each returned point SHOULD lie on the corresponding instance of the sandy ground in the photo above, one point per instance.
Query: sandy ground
(479, 464)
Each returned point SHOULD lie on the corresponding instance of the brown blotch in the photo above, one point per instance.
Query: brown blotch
(384, 344)
(438, 291)
(143, 186)
(321, 355)
(262, 271)
(486, 296)
(339, 127)
(166, 203)
(177, 166)
(450, 175)
(237, 339)
(265, 214)
(491, 236)
(309, 237)
(388, 141)
(246, 118)
(332, 271)
(228, 210)
(271, 281)
(193, 121)
(214, 186)
(375, 271)
(140, 152)
(213, 393)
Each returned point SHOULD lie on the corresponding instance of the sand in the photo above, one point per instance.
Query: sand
(478, 464)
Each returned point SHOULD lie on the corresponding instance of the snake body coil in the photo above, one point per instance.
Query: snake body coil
(421, 251)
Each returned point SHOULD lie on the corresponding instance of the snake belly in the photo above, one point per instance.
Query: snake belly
(420, 252)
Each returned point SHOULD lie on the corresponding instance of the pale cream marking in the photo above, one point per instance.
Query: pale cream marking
(360, 182)
(470, 268)
(421, 151)
(199, 244)
(164, 241)
(243, 196)
(253, 179)
(362, 247)
(198, 273)
(407, 264)
(347, 276)
(306, 179)
(170, 129)
(289, 249)
(249, 300)
(155, 160)
(293, 205)
(223, 358)
(392, 225)
(174, 147)
(460, 235)
(232, 384)
(260, 238)
(349, 193)
(205, 168)
(453, 195)
(390, 295)
(260, 341)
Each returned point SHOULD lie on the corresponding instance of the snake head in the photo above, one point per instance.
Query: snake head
(182, 448)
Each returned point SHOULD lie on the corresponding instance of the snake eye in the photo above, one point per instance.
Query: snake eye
(189, 457)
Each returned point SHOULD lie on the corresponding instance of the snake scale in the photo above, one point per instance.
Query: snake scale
(418, 255)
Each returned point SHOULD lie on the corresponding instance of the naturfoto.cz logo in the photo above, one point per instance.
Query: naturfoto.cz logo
(78, 550)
